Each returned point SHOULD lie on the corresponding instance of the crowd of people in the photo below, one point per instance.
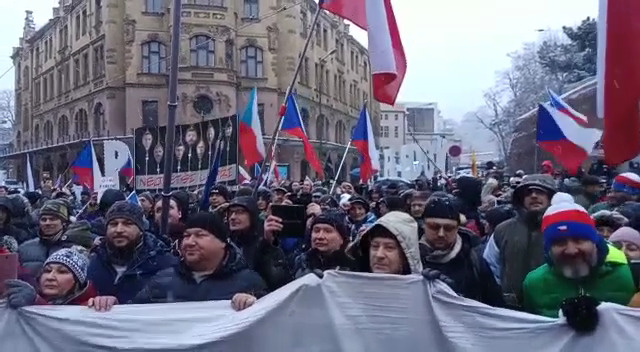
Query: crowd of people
(539, 244)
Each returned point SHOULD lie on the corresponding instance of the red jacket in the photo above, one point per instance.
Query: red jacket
(80, 299)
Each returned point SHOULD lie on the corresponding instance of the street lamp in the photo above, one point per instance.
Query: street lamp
(322, 61)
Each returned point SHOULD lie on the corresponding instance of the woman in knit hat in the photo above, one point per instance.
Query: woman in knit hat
(63, 281)
(329, 239)
(628, 240)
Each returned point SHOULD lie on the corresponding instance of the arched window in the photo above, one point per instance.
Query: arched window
(202, 51)
(48, 131)
(63, 126)
(304, 114)
(36, 134)
(154, 57)
(340, 132)
(251, 62)
(81, 122)
(98, 119)
(18, 139)
(320, 127)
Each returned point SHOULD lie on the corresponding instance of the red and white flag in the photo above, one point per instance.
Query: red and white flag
(386, 53)
(619, 78)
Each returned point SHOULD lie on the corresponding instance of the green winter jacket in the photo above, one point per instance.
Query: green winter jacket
(544, 289)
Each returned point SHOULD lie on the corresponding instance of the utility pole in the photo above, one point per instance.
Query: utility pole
(176, 12)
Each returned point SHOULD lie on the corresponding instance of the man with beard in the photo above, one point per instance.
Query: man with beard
(516, 246)
(128, 257)
(590, 191)
(625, 188)
(577, 263)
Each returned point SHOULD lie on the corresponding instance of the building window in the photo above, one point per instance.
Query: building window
(202, 51)
(98, 61)
(51, 86)
(353, 62)
(153, 6)
(365, 70)
(81, 121)
(77, 26)
(385, 131)
(305, 24)
(85, 67)
(251, 9)
(67, 76)
(150, 113)
(396, 132)
(45, 88)
(251, 62)
(228, 53)
(304, 72)
(36, 134)
(36, 93)
(63, 126)
(396, 117)
(357, 64)
(318, 35)
(48, 131)
(85, 20)
(76, 72)
(25, 77)
(154, 57)
(325, 39)
(98, 118)
(261, 116)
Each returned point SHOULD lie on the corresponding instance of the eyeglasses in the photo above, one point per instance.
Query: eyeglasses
(445, 227)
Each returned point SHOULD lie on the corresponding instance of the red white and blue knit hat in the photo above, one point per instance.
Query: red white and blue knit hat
(565, 218)
(628, 183)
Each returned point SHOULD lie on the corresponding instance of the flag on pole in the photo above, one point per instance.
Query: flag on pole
(133, 198)
(364, 141)
(127, 169)
(243, 175)
(251, 142)
(85, 168)
(618, 97)
(563, 132)
(58, 184)
(292, 125)
(31, 185)
(211, 181)
(386, 52)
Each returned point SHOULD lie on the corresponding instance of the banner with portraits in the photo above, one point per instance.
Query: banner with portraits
(194, 149)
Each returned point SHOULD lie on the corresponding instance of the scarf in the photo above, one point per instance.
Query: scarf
(443, 255)
(49, 240)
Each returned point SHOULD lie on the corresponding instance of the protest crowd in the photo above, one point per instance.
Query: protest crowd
(540, 243)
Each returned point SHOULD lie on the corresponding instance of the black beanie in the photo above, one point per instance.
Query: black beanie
(441, 208)
(211, 223)
(333, 218)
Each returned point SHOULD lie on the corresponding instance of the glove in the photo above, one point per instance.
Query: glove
(581, 313)
(431, 275)
(19, 293)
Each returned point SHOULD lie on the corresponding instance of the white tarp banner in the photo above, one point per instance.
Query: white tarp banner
(342, 312)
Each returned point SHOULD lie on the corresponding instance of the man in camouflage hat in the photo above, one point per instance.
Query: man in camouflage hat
(53, 234)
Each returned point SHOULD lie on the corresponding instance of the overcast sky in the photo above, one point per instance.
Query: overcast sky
(454, 47)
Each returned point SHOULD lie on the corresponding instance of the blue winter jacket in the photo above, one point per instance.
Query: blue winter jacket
(177, 284)
(153, 256)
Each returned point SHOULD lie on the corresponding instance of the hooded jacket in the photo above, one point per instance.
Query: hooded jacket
(151, 257)
(469, 271)
(266, 259)
(8, 228)
(405, 230)
(35, 252)
(518, 249)
(177, 284)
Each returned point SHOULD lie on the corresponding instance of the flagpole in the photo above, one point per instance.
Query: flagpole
(176, 12)
(283, 107)
(344, 157)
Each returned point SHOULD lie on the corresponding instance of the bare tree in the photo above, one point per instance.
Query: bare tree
(7, 108)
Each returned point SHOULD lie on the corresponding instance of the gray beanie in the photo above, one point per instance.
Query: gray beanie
(125, 210)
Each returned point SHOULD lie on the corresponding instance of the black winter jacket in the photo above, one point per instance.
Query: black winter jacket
(177, 284)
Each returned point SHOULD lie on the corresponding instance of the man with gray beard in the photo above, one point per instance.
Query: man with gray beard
(516, 246)
(579, 264)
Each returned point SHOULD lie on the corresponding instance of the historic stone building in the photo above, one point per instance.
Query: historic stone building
(99, 68)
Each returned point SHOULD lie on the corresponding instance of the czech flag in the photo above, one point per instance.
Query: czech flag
(364, 141)
(386, 52)
(292, 125)
(251, 142)
(243, 175)
(565, 136)
(619, 78)
(85, 168)
(127, 170)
